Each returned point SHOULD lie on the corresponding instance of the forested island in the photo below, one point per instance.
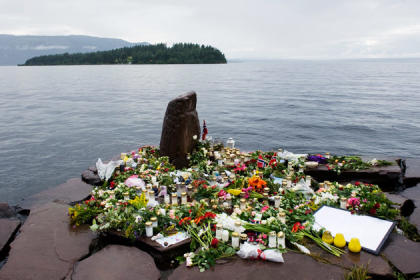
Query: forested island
(180, 53)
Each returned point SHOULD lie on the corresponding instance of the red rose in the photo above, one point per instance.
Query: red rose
(291, 210)
(214, 242)
(377, 205)
(112, 185)
(357, 183)
(372, 211)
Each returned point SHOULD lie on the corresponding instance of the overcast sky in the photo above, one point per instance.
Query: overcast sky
(239, 28)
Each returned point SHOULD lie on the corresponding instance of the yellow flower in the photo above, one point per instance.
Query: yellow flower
(235, 192)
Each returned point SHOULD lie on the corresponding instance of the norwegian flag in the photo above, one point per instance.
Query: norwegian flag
(260, 162)
(205, 131)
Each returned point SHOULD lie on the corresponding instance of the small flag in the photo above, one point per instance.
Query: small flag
(205, 131)
(260, 162)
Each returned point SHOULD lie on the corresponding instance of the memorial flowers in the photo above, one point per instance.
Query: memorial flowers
(224, 196)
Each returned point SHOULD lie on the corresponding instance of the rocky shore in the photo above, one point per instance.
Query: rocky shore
(37, 242)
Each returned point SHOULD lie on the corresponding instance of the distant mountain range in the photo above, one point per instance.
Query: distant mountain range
(17, 49)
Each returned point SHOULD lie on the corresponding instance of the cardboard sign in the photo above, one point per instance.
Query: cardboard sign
(372, 232)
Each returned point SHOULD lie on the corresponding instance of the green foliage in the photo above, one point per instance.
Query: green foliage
(358, 273)
(181, 53)
(409, 229)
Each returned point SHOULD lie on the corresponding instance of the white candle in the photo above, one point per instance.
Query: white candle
(163, 211)
(174, 199)
(167, 199)
(126, 196)
(343, 203)
(235, 240)
(225, 235)
(243, 203)
(272, 240)
(281, 241)
(151, 196)
(308, 180)
(154, 221)
(219, 230)
(149, 229)
(244, 238)
(183, 198)
(282, 217)
(277, 201)
(238, 226)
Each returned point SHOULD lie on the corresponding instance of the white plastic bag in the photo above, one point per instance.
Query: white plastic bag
(105, 170)
(249, 251)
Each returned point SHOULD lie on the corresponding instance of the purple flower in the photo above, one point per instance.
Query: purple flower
(318, 158)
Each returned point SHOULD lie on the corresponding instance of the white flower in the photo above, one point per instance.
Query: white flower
(138, 219)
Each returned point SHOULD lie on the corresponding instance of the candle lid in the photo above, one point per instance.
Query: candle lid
(236, 206)
(237, 223)
(272, 233)
(152, 192)
(219, 226)
(265, 194)
(153, 219)
(148, 224)
(214, 207)
(277, 197)
(184, 194)
(244, 237)
(242, 200)
(280, 234)
(235, 234)
(282, 214)
(266, 190)
(343, 199)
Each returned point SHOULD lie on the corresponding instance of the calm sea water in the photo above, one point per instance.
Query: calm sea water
(56, 121)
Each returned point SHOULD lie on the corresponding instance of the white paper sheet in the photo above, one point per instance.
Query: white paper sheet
(371, 231)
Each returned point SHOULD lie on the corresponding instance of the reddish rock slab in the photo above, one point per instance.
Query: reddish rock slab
(295, 266)
(180, 124)
(377, 266)
(6, 211)
(8, 228)
(387, 177)
(91, 177)
(70, 191)
(47, 246)
(403, 253)
(163, 256)
(117, 262)
(412, 172)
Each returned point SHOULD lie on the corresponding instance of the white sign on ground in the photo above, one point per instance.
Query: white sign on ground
(372, 232)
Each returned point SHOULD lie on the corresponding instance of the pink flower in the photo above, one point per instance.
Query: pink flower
(353, 201)
(265, 208)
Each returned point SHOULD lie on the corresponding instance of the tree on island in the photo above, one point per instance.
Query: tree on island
(180, 53)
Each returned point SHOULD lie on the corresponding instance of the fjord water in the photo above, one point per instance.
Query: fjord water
(56, 121)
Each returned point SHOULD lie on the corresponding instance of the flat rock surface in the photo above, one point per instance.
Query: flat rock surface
(72, 190)
(117, 262)
(295, 266)
(412, 193)
(47, 246)
(376, 264)
(7, 228)
(412, 172)
(396, 198)
(403, 253)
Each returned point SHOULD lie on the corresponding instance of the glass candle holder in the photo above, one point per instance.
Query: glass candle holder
(272, 239)
(219, 231)
(230, 143)
(235, 239)
(154, 221)
(149, 229)
(229, 201)
(225, 235)
(281, 240)
(267, 190)
(174, 199)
